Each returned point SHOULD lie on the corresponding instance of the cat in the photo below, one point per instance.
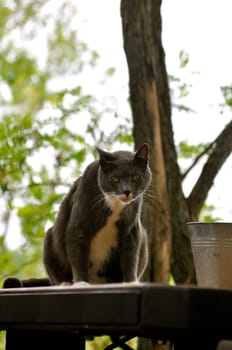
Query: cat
(97, 236)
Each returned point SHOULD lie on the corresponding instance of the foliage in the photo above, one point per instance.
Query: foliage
(227, 94)
(179, 87)
(102, 342)
(187, 150)
(48, 124)
(206, 214)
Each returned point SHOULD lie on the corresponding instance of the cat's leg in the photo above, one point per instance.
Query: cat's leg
(129, 255)
(79, 265)
(78, 256)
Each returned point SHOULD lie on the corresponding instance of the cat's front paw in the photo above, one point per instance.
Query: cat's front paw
(131, 283)
(80, 284)
(65, 284)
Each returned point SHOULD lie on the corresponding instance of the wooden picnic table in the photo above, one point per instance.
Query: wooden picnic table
(60, 317)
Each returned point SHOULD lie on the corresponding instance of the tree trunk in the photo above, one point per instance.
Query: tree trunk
(151, 111)
(150, 101)
(138, 43)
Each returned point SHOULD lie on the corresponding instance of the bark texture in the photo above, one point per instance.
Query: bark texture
(151, 109)
(139, 41)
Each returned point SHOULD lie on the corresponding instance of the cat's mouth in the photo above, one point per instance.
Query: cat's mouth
(119, 198)
(125, 198)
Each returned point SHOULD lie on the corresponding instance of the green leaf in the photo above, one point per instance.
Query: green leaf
(184, 58)
(110, 71)
(186, 150)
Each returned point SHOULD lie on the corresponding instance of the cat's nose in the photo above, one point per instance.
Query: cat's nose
(127, 192)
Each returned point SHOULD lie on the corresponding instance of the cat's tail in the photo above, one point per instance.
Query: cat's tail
(13, 282)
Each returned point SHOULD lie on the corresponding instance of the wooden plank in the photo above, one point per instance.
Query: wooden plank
(69, 307)
(146, 309)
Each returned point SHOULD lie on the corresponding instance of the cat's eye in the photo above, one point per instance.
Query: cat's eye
(115, 179)
(135, 177)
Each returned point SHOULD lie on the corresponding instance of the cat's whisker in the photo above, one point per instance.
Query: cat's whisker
(150, 195)
(151, 199)
(99, 200)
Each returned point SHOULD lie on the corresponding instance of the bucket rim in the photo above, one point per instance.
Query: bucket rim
(209, 223)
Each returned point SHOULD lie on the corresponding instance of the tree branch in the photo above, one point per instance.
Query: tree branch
(220, 152)
(198, 158)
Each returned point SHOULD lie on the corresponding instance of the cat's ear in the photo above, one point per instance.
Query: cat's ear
(142, 155)
(104, 157)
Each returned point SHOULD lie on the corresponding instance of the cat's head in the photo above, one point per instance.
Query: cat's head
(124, 175)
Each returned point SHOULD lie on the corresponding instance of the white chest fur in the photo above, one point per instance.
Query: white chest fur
(103, 241)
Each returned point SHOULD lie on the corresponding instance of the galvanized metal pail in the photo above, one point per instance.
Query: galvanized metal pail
(212, 252)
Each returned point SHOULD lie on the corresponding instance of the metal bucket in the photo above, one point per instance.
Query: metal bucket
(212, 252)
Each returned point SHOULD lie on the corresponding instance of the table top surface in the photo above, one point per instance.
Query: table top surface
(140, 309)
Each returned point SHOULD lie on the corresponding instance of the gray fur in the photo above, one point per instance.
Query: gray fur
(97, 236)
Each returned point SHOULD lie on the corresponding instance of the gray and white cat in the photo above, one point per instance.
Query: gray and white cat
(98, 236)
